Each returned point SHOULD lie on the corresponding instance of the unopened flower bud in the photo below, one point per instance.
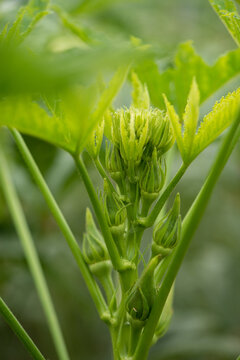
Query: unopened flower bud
(153, 177)
(114, 163)
(167, 232)
(142, 295)
(115, 211)
(130, 134)
(94, 249)
(95, 141)
(161, 132)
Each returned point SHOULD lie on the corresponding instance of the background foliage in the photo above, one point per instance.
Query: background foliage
(206, 319)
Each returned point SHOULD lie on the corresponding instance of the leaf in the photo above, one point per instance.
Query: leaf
(175, 81)
(192, 143)
(190, 118)
(227, 11)
(106, 99)
(66, 121)
(28, 16)
(213, 124)
(72, 25)
(175, 121)
(140, 95)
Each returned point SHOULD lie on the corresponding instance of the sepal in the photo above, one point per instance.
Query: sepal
(167, 232)
(142, 295)
(115, 210)
(152, 177)
(93, 247)
(95, 141)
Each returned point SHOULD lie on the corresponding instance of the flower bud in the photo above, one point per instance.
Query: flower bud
(130, 134)
(167, 232)
(114, 163)
(161, 132)
(95, 141)
(152, 177)
(142, 295)
(94, 249)
(115, 211)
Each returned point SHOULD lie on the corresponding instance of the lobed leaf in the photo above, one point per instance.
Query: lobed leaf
(227, 11)
(28, 16)
(213, 124)
(66, 121)
(192, 143)
(176, 80)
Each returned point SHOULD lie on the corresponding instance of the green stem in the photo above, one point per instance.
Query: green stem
(190, 224)
(149, 221)
(103, 173)
(32, 257)
(135, 333)
(161, 270)
(19, 331)
(63, 225)
(108, 287)
(114, 333)
(111, 246)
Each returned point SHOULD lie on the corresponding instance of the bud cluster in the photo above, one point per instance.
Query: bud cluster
(134, 174)
(137, 133)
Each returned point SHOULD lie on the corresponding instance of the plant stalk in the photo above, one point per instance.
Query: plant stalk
(32, 257)
(63, 225)
(19, 331)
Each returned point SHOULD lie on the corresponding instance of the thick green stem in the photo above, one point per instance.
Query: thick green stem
(118, 263)
(190, 224)
(32, 257)
(135, 333)
(114, 335)
(149, 221)
(19, 331)
(35, 172)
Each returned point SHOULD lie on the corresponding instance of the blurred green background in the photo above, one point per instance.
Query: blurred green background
(206, 321)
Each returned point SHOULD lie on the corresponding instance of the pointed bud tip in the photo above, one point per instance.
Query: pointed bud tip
(89, 218)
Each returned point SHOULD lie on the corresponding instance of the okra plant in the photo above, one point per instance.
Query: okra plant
(132, 292)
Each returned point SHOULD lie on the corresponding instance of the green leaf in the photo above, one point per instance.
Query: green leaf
(140, 95)
(191, 142)
(27, 17)
(175, 81)
(190, 118)
(227, 11)
(213, 124)
(68, 120)
(176, 124)
(72, 25)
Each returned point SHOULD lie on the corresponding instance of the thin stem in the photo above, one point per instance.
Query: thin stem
(190, 224)
(111, 246)
(149, 221)
(32, 257)
(103, 173)
(63, 225)
(19, 331)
